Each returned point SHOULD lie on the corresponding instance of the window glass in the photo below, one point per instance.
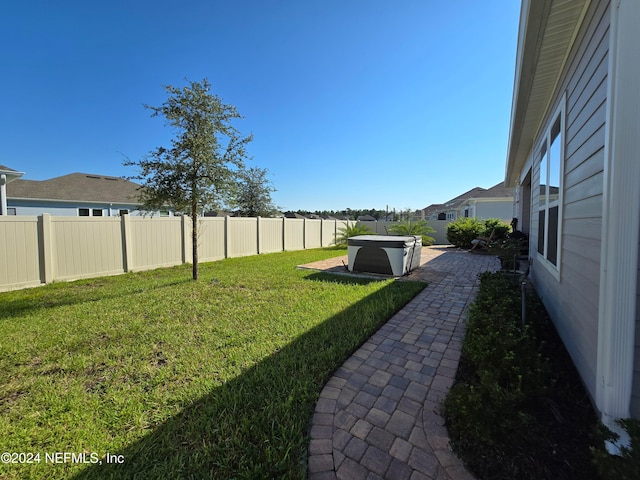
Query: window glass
(83, 212)
(550, 185)
(541, 217)
(552, 239)
(554, 162)
(97, 212)
(543, 175)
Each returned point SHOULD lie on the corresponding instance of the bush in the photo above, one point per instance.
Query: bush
(351, 231)
(463, 231)
(513, 412)
(408, 227)
(625, 466)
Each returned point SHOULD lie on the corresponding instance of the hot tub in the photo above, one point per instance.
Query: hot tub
(386, 254)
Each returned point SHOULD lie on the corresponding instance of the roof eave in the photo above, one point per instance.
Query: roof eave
(546, 35)
(11, 175)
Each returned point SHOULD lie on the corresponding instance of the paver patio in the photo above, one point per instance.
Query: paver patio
(378, 416)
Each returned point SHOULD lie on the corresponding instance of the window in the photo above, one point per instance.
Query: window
(11, 211)
(123, 212)
(97, 212)
(549, 213)
(83, 212)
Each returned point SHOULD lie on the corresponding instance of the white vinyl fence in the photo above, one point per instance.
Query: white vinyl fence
(39, 250)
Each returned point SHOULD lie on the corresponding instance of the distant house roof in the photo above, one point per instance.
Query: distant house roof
(218, 213)
(83, 187)
(10, 173)
(497, 191)
(366, 218)
(433, 208)
(293, 215)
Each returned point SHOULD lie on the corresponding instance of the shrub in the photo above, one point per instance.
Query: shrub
(408, 227)
(351, 230)
(625, 466)
(506, 413)
(464, 230)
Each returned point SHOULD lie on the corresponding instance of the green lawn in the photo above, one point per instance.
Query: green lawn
(210, 379)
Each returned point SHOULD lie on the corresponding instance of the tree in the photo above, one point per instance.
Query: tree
(253, 198)
(201, 166)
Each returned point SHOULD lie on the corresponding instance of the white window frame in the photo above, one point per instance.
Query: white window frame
(545, 144)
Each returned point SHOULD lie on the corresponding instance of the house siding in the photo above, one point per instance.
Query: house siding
(496, 209)
(635, 394)
(572, 298)
(67, 209)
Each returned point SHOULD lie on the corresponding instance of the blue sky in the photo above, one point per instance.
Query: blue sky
(352, 103)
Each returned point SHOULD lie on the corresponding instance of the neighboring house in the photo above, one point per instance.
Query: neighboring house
(480, 203)
(434, 212)
(367, 218)
(76, 194)
(7, 175)
(293, 215)
(574, 159)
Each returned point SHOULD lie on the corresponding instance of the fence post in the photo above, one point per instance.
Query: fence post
(127, 248)
(304, 233)
(184, 230)
(226, 236)
(46, 262)
(284, 234)
(258, 233)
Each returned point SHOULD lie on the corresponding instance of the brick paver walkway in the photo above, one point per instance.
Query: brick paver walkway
(377, 417)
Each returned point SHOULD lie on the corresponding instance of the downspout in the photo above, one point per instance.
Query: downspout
(620, 225)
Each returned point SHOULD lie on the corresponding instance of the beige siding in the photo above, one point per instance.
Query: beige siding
(500, 210)
(20, 259)
(84, 247)
(572, 300)
(156, 242)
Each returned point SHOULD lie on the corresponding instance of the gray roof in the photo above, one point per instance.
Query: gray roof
(497, 191)
(83, 187)
(10, 174)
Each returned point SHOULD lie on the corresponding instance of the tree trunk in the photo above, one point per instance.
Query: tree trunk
(194, 239)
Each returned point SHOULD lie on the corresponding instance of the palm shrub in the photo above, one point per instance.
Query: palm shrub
(351, 230)
(421, 227)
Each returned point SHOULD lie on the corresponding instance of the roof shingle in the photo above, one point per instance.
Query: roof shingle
(77, 187)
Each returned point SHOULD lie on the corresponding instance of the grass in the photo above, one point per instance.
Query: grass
(210, 379)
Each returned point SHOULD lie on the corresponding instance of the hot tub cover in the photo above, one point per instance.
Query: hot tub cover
(386, 241)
